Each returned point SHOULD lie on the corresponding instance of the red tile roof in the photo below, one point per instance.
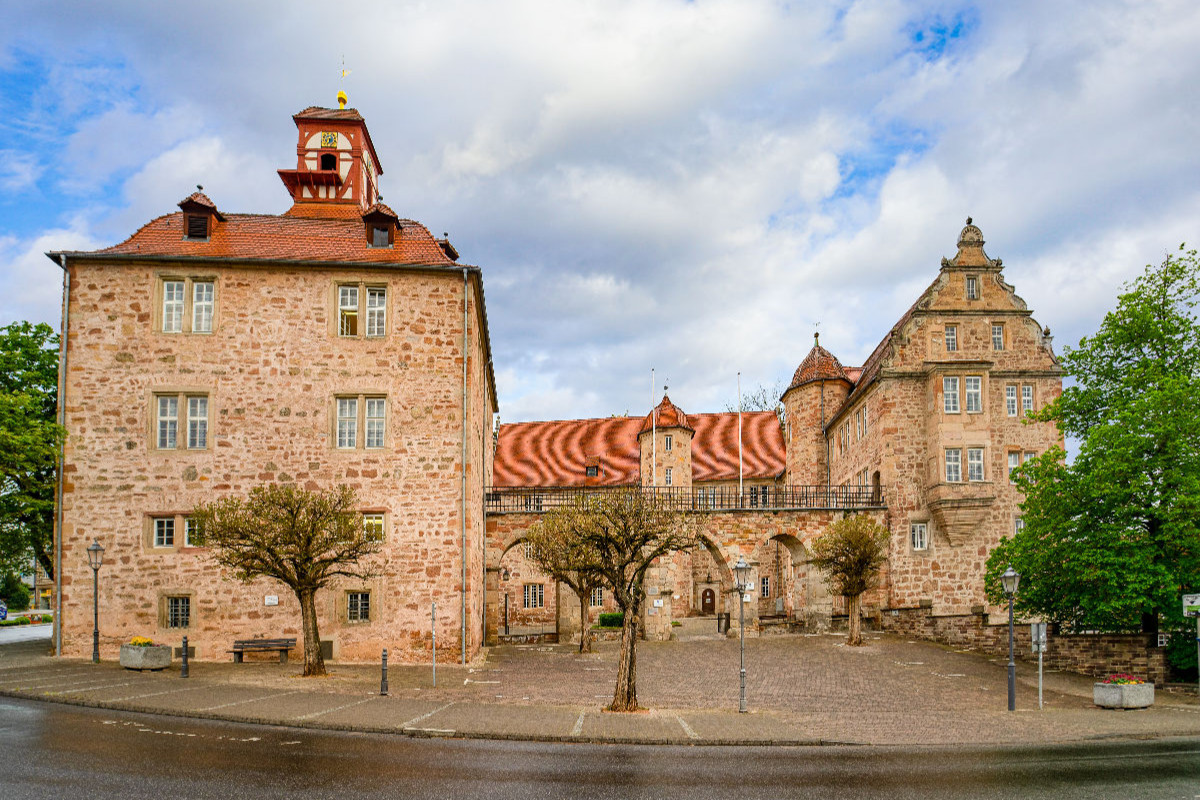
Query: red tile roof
(818, 365)
(540, 454)
(317, 112)
(665, 415)
(263, 237)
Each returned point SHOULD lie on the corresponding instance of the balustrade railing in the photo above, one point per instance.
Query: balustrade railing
(507, 499)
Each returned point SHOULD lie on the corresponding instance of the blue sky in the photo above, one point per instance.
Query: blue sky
(688, 186)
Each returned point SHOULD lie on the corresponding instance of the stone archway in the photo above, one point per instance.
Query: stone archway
(802, 588)
(518, 587)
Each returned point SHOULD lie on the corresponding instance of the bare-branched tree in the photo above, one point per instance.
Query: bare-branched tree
(558, 550)
(851, 553)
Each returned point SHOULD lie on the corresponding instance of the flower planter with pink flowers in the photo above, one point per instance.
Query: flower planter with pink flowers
(1123, 691)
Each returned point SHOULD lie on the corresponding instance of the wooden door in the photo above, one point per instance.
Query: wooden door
(708, 602)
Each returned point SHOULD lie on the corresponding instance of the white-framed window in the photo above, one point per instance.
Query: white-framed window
(178, 611)
(973, 385)
(1027, 398)
(974, 463)
(951, 338)
(864, 418)
(188, 305)
(950, 395)
(193, 536)
(527, 549)
(1014, 461)
(535, 596)
(166, 421)
(164, 531)
(858, 422)
(358, 606)
(765, 581)
(997, 336)
(953, 465)
(972, 287)
(668, 442)
(754, 497)
(1010, 400)
(1028, 455)
(597, 598)
(376, 311)
(373, 526)
(347, 422)
(1018, 525)
(376, 417)
(667, 476)
(918, 534)
(203, 296)
(347, 311)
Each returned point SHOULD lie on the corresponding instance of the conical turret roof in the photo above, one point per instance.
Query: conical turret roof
(666, 415)
(818, 365)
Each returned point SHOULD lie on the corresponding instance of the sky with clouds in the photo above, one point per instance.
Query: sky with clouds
(685, 186)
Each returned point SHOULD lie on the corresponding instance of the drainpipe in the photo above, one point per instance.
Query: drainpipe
(62, 421)
(826, 435)
(463, 509)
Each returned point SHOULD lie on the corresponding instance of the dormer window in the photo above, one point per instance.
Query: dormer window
(197, 226)
(381, 224)
(380, 236)
(200, 216)
(592, 471)
(328, 161)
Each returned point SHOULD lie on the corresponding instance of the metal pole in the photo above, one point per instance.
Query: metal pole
(1041, 647)
(506, 613)
(383, 687)
(433, 640)
(183, 664)
(1012, 665)
(1198, 649)
(95, 615)
(742, 625)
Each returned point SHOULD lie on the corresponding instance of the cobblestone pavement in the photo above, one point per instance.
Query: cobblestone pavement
(800, 689)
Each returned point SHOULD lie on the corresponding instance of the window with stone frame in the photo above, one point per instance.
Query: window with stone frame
(534, 595)
(350, 310)
(1027, 398)
(168, 408)
(918, 535)
(667, 476)
(1018, 525)
(373, 525)
(597, 598)
(974, 463)
(1010, 399)
(951, 338)
(364, 412)
(765, 582)
(163, 531)
(668, 442)
(973, 389)
(188, 305)
(997, 336)
(972, 287)
(176, 611)
(950, 395)
(1014, 461)
(953, 465)
(193, 534)
(358, 606)
(527, 550)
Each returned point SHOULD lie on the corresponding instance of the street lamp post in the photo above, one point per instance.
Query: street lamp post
(1009, 580)
(95, 559)
(742, 569)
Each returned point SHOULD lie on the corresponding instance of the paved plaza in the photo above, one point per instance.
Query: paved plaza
(801, 690)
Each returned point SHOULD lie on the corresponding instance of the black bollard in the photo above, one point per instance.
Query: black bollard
(383, 690)
(183, 666)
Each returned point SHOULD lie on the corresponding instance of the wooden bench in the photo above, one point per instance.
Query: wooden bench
(242, 646)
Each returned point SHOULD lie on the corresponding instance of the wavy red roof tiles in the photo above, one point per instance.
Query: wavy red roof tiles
(557, 453)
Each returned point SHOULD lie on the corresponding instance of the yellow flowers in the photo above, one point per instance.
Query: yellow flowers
(141, 641)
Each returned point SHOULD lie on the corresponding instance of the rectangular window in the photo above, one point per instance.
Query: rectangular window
(997, 336)
(193, 536)
(203, 293)
(597, 598)
(527, 548)
(858, 423)
(1028, 456)
(379, 236)
(591, 472)
(534, 595)
(197, 423)
(347, 422)
(168, 422)
(358, 606)
(667, 476)
(164, 532)
(1027, 398)
(373, 526)
(973, 384)
(1010, 400)
(1014, 460)
(668, 442)
(918, 533)
(375, 421)
(951, 338)
(953, 465)
(972, 288)
(864, 416)
(765, 580)
(754, 497)
(172, 314)
(950, 395)
(179, 612)
(1018, 526)
(347, 311)
(974, 463)
(376, 311)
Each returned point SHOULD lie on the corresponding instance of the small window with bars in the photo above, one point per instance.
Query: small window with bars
(358, 606)
(179, 611)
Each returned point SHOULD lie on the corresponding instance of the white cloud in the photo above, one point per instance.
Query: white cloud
(30, 283)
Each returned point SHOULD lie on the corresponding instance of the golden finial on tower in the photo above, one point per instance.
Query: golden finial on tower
(341, 95)
(341, 99)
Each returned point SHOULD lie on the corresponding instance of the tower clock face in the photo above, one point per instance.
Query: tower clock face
(328, 139)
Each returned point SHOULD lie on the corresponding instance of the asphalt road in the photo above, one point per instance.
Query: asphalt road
(51, 751)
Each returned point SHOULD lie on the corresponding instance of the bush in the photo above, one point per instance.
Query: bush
(14, 593)
(611, 619)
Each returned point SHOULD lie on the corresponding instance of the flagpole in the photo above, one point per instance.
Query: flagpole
(653, 434)
(739, 438)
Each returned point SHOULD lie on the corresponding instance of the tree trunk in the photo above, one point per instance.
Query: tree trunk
(314, 663)
(625, 694)
(585, 629)
(855, 621)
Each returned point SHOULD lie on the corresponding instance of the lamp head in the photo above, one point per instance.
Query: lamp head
(1009, 580)
(742, 570)
(95, 554)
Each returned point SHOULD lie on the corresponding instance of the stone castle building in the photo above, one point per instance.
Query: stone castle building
(341, 343)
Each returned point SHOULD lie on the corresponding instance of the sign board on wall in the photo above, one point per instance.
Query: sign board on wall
(271, 600)
(1191, 605)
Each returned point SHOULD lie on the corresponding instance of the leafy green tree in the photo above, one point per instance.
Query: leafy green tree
(29, 442)
(300, 538)
(851, 553)
(14, 593)
(560, 553)
(1111, 540)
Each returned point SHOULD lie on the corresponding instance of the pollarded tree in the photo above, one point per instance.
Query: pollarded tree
(300, 538)
(1111, 540)
(851, 553)
(559, 552)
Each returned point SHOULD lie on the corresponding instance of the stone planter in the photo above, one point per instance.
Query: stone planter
(157, 656)
(1123, 695)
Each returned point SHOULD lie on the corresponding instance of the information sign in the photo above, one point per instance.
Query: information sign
(271, 600)
(1037, 635)
(1191, 605)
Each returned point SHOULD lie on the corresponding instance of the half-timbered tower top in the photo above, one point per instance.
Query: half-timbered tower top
(337, 171)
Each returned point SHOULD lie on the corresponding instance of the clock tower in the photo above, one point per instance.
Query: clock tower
(337, 171)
